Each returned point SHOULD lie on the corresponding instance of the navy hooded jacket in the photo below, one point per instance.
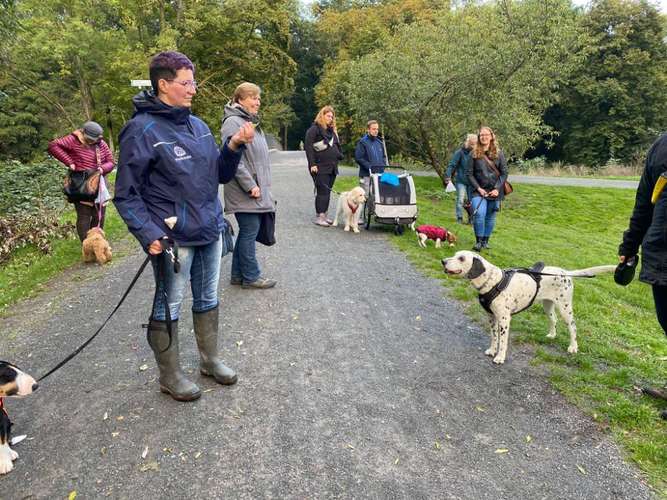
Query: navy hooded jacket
(370, 155)
(171, 166)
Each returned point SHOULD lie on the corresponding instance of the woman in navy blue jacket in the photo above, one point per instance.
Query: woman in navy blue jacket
(167, 187)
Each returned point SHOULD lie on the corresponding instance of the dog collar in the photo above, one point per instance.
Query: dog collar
(2, 406)
(354, 208)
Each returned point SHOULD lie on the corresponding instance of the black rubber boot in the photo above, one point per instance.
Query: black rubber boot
(172, 379)
(478, 245)
(485, 243)
(206, 333)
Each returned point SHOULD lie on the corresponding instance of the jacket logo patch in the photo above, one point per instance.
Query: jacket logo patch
(181, 154)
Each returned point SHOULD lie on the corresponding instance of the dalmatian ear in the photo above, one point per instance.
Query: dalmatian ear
(476, 270)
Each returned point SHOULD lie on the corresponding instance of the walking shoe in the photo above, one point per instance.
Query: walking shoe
(321, 222)
(478, 245)
(236, 281)
(485, 243)
(459, 220)
(260, 283)
(329, 221)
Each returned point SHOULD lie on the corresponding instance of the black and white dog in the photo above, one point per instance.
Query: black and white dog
(505, 292)
(13, 383)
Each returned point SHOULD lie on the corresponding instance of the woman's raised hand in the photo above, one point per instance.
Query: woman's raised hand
(245, 135)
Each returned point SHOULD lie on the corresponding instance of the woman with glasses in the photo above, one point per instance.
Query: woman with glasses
(84, 149)
(248, 195)
(486, 171)
(169, 171)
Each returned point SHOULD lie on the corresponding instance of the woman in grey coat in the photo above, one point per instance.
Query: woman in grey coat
(248, 195)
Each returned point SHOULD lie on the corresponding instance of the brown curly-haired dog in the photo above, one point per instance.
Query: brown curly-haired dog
(96, 247)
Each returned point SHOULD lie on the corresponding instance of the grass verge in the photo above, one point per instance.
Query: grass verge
(621, 345)
(28, 270)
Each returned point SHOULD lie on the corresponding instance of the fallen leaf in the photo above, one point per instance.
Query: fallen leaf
(106, 415)
(350, 446)
(198, 454)
(145, 453)
(479, 408)
(582, 470)
(502, 450)
(143, 368)
(448, 436)
(528, 439)
(150, 466)
(396, 461)
(437, 445)
(72, 495)
(239, 343)
(209, 390)
(418, 318)
(167, 450)
(120, 418)
(103, 450)
(114, 434)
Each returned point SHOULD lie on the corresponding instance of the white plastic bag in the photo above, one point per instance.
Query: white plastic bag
(450, 188)
(103, 195)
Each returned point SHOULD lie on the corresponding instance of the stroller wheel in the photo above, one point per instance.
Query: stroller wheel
(399, 229)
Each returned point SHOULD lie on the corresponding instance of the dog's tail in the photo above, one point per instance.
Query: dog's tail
(590, 272)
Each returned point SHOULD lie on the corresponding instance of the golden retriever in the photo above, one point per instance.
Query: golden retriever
(349, 203)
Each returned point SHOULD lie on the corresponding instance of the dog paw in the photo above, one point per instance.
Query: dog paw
(355, 229)
(6, 464)
(335, 223)
(499, 360)
(490, 352)
(13, 455)
(551, 335)
(573, 348)
(346, 228)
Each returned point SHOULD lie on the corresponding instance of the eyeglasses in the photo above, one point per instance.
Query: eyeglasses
(485, 135)
(186, 83)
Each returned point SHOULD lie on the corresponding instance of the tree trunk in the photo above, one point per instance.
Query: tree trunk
(430, 152)
(84, 89)
(110, 130)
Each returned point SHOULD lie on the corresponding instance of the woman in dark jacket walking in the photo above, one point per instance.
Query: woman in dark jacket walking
(486, 172)
(323, 153)
(647, 228)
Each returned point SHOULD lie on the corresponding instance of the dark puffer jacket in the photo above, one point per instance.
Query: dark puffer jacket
(327, 160)
(648, 223)
(480, 174)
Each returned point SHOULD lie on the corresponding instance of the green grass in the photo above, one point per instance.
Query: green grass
(621, 345)
(28, 270)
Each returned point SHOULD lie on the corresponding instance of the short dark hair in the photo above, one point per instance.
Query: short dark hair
(165, 65)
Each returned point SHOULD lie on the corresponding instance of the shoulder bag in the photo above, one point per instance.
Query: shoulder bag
(507, 187)
(82, 185)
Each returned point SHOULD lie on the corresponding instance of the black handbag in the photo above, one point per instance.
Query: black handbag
(267, 229)
(625, 271)
(81, 185)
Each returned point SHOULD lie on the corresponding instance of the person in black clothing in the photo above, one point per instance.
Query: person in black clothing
(323, 153)
(486, 171)
(647, 229)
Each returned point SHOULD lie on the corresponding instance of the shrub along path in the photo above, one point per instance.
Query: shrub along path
(357, 379)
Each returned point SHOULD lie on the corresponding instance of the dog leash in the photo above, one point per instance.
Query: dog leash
(167, 246)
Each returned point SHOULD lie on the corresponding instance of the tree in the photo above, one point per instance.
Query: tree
(492, 64)
(616, 103)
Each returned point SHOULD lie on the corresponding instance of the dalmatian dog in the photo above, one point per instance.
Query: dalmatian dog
(504, 293)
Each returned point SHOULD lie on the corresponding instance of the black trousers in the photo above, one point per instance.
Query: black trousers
(660, 299)
(86, 217)
(323, 185)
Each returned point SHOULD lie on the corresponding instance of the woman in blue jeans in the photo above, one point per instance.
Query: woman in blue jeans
(169, 171)
(486, 171)
(248, 195)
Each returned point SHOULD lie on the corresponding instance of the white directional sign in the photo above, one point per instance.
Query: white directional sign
(140, 83)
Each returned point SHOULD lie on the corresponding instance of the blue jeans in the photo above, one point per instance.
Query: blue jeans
(244, 260)
(462, 192)
(485, 211)
(200, 265)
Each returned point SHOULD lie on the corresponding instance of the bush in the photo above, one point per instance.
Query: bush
(29, 188)
(31, 202)
(526, 166)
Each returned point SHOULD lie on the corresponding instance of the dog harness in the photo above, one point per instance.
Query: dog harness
(433, 232)
(2, 407)
(485, 299)
(353, 208)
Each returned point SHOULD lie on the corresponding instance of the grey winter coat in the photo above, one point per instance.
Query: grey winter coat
(254, 168)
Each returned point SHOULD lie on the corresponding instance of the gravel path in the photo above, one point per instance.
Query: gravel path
(358, 379)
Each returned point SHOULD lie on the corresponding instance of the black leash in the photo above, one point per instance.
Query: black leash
(167, 246)
(169, 249)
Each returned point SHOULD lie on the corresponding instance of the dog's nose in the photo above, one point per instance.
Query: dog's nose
(35, 387)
